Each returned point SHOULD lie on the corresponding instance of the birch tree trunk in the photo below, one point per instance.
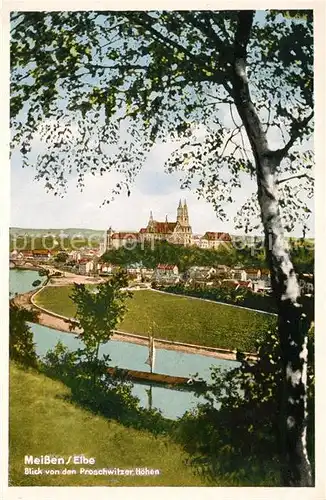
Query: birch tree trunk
(292, 324)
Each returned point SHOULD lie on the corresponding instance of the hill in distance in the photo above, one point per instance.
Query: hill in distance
(68, 232)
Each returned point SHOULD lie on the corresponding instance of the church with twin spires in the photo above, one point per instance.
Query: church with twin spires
(178, 232)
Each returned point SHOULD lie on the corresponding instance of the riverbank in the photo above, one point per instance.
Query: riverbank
(66, 279)
(61, 323)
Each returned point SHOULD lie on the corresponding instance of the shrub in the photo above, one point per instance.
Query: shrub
(21, 345)
(223, 293)
(110, 396)
(235, 429)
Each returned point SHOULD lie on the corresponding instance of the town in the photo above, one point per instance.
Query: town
(92, 260)
(163, 341)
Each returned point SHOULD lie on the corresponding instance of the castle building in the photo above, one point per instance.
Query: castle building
(178, 232)
(116, 240)
(214, 240)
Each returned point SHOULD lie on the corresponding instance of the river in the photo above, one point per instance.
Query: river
(171, 402)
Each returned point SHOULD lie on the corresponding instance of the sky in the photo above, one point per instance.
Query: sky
(33, 207)
(154, 190)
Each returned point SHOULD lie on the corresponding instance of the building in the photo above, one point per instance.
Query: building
(246, 284)
(74, 256)
(16, 255)
(196, 240)
(105, 269)
(230, 283)
(262, 286)
(214, 240)
(134, 273)
(116, 240)
(85, 266)
(265, 276)
(253, 274)
(166, 272)
(200, 273)
(27, 254)
(306, 283)
(43, 255)
(239, 274)
(222, 272)
(178, 232)
(147, 274)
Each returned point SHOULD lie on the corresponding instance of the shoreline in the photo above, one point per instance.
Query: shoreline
(60, 323)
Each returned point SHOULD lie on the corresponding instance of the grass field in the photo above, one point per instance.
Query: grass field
(177, 318)
(43, 423)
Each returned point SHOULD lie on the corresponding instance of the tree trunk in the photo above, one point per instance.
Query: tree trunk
(293, 333)
(292, 324)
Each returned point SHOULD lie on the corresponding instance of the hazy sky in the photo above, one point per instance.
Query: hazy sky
(32, 206)
(154, 189)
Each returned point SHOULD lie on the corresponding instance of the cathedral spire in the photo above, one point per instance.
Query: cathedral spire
(151, 216)
(185, 213)
(180, 213)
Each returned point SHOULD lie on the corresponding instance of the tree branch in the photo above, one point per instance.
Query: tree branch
(146, 22)
(207, 29)
(123, 67)
(241, 92)
(233, 134)
(225, 49)
(234, 122)
(296, 128)
(299, 176)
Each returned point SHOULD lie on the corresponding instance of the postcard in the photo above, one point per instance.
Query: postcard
(162, 245)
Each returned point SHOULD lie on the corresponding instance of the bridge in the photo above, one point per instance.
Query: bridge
(26, 264)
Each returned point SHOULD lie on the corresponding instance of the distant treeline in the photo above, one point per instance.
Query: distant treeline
(185, 257)
(241, 296)
(51, 243)
(166, 253)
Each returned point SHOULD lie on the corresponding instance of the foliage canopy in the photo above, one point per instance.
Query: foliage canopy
(98, 89)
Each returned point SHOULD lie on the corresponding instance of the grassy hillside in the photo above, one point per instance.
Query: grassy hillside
(44, 422)
(177, 318)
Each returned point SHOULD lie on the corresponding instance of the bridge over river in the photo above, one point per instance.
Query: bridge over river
(24, 264)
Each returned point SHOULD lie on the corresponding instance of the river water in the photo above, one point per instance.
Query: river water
(172, 403)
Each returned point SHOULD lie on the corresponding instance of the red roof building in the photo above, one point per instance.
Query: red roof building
(177, 232)
(41, 252)
(125, 236)
(167, 267)
(27, 253)
(213, 236)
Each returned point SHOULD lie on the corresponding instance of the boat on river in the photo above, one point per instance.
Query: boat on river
(172, 381)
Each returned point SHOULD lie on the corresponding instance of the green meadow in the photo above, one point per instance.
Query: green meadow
(44, 422)
(176, 318)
